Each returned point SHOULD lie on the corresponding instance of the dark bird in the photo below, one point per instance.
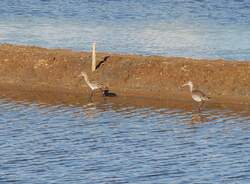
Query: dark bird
(107, 93)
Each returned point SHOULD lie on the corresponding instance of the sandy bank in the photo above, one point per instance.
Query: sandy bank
(57, 70)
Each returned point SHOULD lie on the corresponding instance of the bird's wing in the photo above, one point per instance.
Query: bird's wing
(97, 84)
(201, 94)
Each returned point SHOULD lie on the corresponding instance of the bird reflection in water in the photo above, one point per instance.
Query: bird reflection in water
(197, 118)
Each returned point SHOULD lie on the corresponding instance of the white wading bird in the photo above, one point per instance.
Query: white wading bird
(92, 85)
(197, 95)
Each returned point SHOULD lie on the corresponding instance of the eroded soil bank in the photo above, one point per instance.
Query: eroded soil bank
(57, 70)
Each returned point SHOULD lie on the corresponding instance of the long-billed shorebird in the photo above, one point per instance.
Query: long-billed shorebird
(92, 85)
(197, 95)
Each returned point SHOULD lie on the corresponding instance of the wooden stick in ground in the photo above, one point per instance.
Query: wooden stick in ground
(93, 58)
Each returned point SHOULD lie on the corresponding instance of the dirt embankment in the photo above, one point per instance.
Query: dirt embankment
(57, 70)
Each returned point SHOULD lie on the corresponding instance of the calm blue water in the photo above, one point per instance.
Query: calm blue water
(121, 141)
(190, 28)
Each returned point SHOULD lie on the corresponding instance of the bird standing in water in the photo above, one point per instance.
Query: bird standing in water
(197, 95)
(92, 85)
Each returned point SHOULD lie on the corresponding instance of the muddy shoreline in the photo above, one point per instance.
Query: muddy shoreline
(56, 70)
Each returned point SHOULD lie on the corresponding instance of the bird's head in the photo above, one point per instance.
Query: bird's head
(82, 74)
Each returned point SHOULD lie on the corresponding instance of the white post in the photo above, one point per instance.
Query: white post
(93, 57)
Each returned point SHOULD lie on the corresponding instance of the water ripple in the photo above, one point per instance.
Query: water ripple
(118, 142)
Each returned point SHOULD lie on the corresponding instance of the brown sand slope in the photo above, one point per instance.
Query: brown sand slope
(57, 70)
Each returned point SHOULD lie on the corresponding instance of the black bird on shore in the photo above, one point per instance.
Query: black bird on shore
(107, 93)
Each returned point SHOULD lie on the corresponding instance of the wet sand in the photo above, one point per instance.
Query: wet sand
(41, 70)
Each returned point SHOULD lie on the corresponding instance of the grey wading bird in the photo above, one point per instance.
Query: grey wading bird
(92, 85)
(96, 86)
(197, 95)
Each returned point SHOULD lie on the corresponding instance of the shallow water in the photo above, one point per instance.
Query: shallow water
(52, 139)
(67, 139)
(190, 28)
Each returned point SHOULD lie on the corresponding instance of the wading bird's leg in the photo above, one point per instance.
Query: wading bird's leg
(101, 91)
(201, 105)
(91, 95)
